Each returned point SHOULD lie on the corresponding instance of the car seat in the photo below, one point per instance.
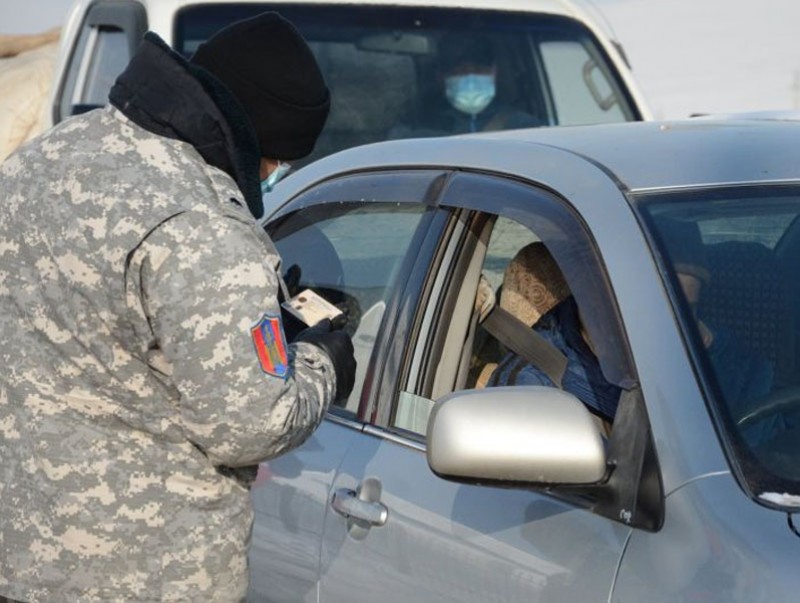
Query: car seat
(533, 284)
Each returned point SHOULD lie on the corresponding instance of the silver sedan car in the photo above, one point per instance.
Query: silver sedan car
(635, 438)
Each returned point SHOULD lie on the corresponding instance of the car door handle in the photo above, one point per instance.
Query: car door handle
(348, 504)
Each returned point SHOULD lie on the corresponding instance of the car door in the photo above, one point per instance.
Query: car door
(363, 256)
(394, 530)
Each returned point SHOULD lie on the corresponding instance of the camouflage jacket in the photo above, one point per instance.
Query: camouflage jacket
(134, 282)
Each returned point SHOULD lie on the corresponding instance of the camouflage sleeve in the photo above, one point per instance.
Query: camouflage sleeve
(209, 292)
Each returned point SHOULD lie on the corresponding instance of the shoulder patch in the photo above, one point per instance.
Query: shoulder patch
(270, 344)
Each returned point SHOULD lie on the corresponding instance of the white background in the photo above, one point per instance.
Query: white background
(689, 56)
(718, 56)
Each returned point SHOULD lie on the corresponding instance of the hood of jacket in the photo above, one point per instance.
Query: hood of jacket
(165, 94)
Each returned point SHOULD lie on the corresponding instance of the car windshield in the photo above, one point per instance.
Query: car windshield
(399, 72)
(731, 257)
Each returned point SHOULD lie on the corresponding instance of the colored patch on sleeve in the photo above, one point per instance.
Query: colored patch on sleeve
(270, 344)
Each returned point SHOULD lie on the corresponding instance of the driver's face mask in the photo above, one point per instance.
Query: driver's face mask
(470, 93)
(270, 181)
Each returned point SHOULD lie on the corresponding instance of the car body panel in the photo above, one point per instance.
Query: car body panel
(716, 545)
(637, 157)
(290, 499)
(447, 540)
(597, 196)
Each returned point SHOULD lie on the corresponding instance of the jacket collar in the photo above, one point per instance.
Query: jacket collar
(165, 94)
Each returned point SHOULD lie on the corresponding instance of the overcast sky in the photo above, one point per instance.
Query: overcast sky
(29, 16)
(716, 56)
(689, 56)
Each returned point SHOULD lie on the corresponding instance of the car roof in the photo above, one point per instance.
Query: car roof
(638, 156)
(689, 153)
(565, 7)
(161, 12)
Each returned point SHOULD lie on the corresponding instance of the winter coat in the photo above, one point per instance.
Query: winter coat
(583, 377)
(141, 347)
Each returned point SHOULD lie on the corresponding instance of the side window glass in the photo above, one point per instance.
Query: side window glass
(351, 255)
(101, 55)
(581, 88)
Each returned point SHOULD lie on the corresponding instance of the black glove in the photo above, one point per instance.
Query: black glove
(339, 347)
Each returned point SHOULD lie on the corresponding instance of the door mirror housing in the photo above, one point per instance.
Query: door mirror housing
(532, 435)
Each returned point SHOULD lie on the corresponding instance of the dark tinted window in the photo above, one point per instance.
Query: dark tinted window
(731, 257)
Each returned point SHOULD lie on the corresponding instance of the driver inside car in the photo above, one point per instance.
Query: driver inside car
(467, 100)
(534, 291)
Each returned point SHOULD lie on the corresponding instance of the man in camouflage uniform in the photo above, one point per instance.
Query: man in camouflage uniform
(142, 349)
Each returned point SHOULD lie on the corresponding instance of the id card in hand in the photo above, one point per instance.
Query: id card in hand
(311, 308)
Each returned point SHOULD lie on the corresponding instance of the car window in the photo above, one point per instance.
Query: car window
(395, 72)
(103, 63)
(106, 40)
(350, 254)
(730, 255)
(582, 89)
(536, 262)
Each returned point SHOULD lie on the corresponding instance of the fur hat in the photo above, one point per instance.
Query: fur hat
(532, 284)
(271, 71)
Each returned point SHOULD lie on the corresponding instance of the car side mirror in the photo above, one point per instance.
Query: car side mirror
(534, 435)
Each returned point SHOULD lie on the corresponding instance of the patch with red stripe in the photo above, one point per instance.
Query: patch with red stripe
(270, 344)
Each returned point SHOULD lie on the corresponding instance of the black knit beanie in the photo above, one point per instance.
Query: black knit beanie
(270, 69)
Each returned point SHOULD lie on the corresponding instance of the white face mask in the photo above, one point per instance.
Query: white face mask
(270, 181)
(470, 93)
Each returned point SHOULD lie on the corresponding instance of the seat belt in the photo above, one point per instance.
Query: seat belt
(525, 342)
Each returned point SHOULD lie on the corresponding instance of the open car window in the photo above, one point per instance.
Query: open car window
(500, 265)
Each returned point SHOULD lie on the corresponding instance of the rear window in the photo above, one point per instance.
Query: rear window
(400, 72)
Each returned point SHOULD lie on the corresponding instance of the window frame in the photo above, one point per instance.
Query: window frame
(126, 16)
(634, 492)
(385, 187)
(516, 202)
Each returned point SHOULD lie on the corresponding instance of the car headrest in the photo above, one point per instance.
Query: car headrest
(532, 284)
